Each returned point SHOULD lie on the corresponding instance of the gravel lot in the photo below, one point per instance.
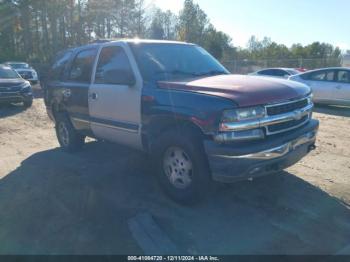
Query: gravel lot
(56, 203)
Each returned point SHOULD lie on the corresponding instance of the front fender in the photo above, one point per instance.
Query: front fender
(201, 110)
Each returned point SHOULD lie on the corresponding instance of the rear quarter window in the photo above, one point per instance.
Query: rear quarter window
(57, 69)
(81, 67)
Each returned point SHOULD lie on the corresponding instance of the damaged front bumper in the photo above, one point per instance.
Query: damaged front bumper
(245, 160)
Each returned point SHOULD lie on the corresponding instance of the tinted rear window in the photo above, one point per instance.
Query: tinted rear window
(58, 67)
(82, 65)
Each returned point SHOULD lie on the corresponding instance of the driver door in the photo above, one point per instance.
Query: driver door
(114, 101)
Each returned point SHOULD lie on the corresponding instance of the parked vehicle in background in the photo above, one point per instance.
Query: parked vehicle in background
(301, 70)
(13, 88)
(330, 85)
(25, 70)
(176, 102)
(276, 72)
(346, 60)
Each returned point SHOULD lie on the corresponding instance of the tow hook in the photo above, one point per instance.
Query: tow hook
(311, 148)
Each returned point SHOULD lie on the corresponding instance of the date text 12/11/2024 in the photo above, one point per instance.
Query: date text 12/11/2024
(173, 258)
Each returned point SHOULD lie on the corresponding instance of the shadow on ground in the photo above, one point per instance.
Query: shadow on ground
(7, 110)
(38, 91)
(333, 110)
(57, 203)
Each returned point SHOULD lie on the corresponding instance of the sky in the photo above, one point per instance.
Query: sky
(285, 22)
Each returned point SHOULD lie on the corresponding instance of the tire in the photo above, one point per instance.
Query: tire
(69, 139)
(28, 103)
(182, 166)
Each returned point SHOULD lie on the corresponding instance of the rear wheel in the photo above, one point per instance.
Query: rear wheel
(69, 139)
(182, 166)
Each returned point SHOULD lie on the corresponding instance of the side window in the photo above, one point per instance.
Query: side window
(322, 76)
(330, 75)
(113, 67)
(343, 77)
(281, 73)
(305, 76)
(267, 72)
(81, 68)
(58, 67)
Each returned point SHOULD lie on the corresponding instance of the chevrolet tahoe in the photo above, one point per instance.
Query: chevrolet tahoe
(173, 100)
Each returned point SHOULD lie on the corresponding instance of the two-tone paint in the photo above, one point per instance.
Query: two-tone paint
(136, 115)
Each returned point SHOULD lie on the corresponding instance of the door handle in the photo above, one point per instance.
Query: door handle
(93, 96)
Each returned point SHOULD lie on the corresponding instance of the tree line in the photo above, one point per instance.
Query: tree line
(35, 30)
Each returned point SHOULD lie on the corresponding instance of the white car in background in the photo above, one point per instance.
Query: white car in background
(330, 85)
(276, 72)
(25, 71)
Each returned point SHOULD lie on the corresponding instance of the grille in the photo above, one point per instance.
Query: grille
(5, 85)
(10, 89)
(285, 108)
(26, 74)
(287, 125)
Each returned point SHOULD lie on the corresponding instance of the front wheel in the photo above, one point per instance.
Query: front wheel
(182, 166)
(69, 139)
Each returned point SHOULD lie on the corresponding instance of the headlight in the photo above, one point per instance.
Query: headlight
(25, 87)
(241, 114)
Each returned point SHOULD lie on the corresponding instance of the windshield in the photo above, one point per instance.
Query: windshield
(19, 65)
(175, 61)
(8, 73)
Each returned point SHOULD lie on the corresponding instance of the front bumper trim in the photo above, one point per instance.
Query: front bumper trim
(244, 160)
(279, 151)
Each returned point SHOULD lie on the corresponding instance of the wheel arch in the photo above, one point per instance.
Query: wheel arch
(160, 125)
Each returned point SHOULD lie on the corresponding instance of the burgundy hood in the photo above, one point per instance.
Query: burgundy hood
(244, 90)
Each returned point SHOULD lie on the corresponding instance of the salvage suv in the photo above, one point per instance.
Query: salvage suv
(174, 101)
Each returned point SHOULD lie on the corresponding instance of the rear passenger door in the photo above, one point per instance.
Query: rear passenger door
(342, 86)
(75, 89)
(115, 96)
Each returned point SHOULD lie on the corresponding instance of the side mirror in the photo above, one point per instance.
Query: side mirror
(119, 77)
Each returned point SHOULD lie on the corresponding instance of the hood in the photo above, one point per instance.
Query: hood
(11, 84)
(243, 90)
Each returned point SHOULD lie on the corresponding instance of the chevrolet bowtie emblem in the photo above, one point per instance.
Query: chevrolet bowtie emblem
(298, 115)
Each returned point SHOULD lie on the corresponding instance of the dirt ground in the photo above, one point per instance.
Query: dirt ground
(57, 203)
